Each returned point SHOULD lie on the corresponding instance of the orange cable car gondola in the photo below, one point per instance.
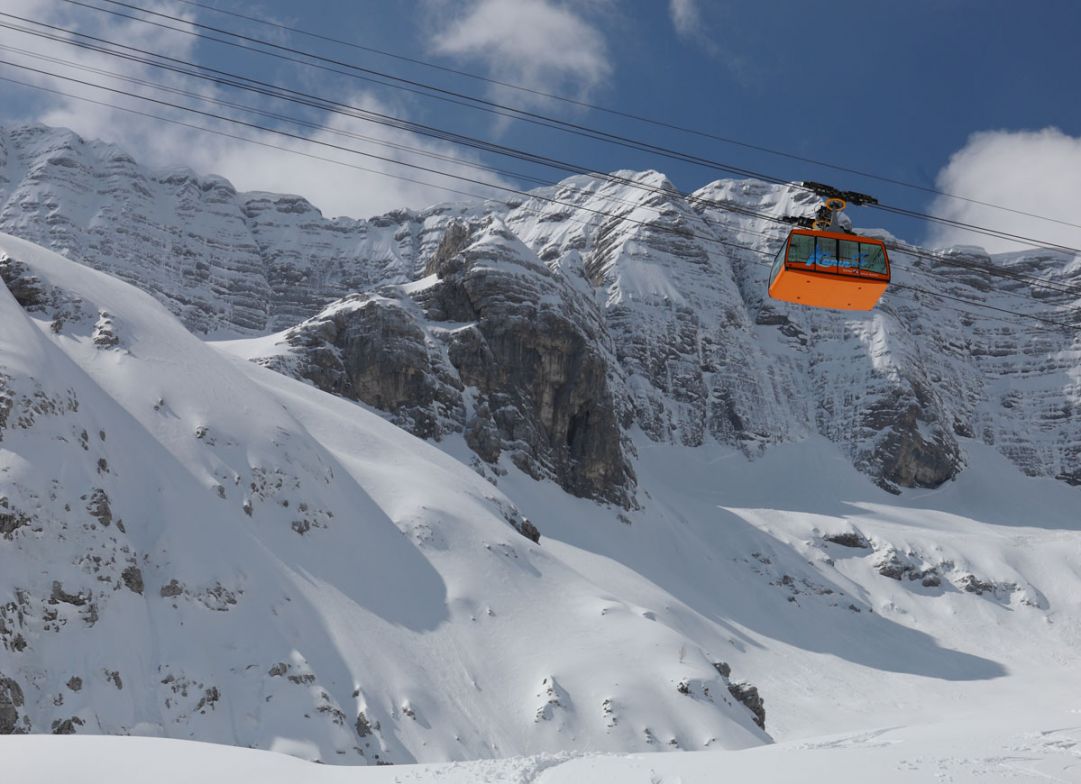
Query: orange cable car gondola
(825, 266)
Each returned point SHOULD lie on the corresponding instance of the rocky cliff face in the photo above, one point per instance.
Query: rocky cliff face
(904, 386)
(221, 261)
(489, 344)
(557, 323)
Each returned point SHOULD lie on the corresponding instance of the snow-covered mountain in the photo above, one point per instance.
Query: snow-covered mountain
(198, 547)
(220, 260)
(666, 295)
(649, 498)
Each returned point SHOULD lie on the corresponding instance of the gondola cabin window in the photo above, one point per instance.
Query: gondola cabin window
(830, 270)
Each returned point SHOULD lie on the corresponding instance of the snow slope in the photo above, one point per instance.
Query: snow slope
(378, 600)
(1024, 749)
(214, 551)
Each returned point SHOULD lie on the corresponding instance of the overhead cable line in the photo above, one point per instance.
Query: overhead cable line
(540, 197)
(293, 151)
(1054, 322)
(574, 169)
(548, 122)
(1037, 282)
(606, 109)
(323, 143)
(227, 79)
(1044, 284)
(492, 106)
(245, 83)
(277, 116)
(394, 145)
(237, 137)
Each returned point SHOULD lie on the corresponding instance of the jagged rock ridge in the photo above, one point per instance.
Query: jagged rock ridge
(658, 284)
(490, 345)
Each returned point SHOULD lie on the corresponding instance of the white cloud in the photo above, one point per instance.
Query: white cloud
(342, 190)
(1033, 171)
(538, 44)
(335, 189)
(685, 17)
(692, 26)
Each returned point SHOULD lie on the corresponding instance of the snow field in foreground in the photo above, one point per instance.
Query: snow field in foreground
(1043, 746)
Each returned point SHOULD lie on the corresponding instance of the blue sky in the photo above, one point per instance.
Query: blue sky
(891, 88)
